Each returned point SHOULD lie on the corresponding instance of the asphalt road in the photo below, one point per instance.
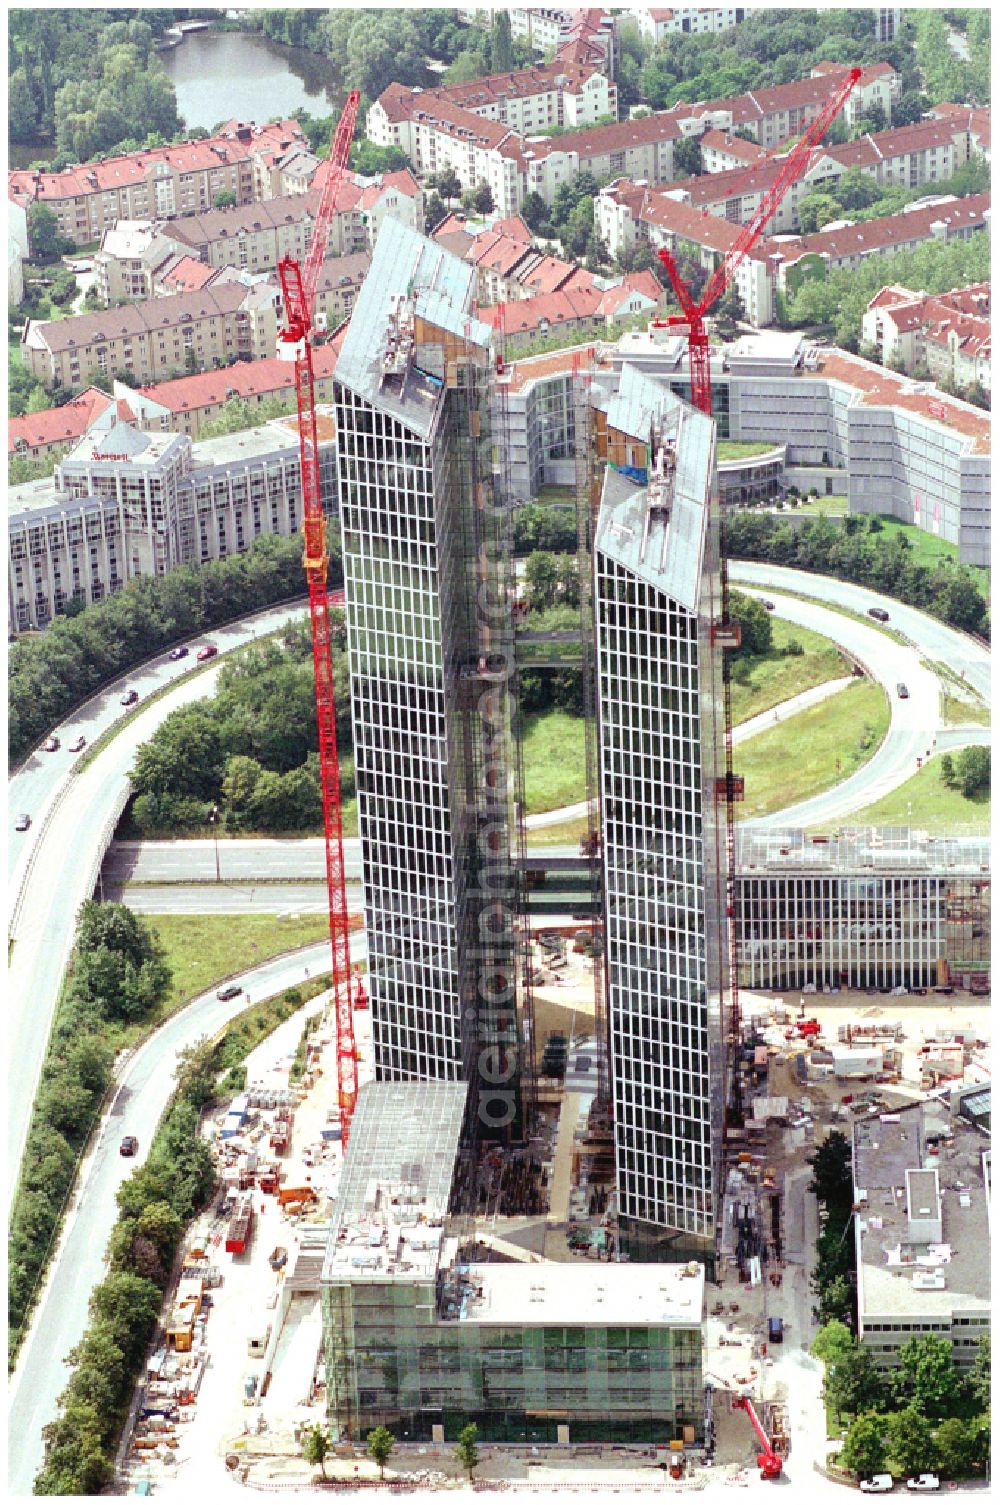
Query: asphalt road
(145, 1084)
(184, 862)
(937, 642)
(911, 729)
(58, 870)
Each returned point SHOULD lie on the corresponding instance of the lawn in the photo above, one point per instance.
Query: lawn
(779, 676)
(201, 949)
(813, 750)
(735, 449)
(561, 494)
(926, 549)
(964, 712)
(555, 770)
(567, 832)
(929, 805)
(824, 506)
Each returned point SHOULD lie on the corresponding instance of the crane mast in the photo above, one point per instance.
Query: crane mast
(298, 288)
(693, 316)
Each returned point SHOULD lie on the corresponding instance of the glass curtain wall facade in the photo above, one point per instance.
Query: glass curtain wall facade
(422, 544)
(391, 1361)
(661, 720)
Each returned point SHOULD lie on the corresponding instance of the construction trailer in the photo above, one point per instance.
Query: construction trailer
(240, 1229)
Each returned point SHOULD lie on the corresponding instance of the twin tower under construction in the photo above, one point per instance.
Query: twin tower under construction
(451, 885)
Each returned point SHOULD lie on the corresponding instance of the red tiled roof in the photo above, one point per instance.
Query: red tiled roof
(747, 151)
(547, 275)
(800, 93)
(524, 83)
(879, 234)
(220, 150)
(602, 139)
(401, 103)
(57, 425)
(187, 275)
(528, 314)
(513, 226)
(266, 378)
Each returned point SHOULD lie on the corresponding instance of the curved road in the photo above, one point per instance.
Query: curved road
(913, 721)
(78, 813)
(145, 1083)
(936, 641)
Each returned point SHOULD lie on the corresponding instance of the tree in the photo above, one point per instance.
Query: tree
(979, 1375)
(448, 184)
(910, 1445)
(972, 771)
(370, 160)
(854, 1383)
(435, 211)
(833, 1343)
(100, 1377)
(225, 199)
(755, 625)
(315, 1447)
(687, 158)
(864, 1449)
(817, 210)
(534, 210)
(831, 1167)
(856, 189)
(466, 1450)
(76, 1459)
(541, 578)
(502, 46)
(44, 237)
(482, 197)
(380, 1445)
(957, 1447)
(127, 1305)
(926, 1375)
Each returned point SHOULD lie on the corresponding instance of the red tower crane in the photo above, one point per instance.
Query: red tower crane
(298, 289)
(693, 316)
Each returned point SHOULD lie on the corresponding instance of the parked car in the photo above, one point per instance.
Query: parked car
(22, 823)
(209, 651)
(52, 745)
(924, 1481)
(129, 1145)
(879, 613)
(878, 1484)
(176, 653)
(902, 691)
(231, 990)
(130, 697)
(78, 745)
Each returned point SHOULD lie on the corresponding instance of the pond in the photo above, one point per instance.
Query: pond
(222, 74)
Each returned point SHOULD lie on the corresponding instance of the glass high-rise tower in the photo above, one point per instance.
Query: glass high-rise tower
(661, 752)
(430, 649)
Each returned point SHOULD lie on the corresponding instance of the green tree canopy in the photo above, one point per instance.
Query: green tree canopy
(864, 1448)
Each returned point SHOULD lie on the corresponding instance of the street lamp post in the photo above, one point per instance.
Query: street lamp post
(213, 820)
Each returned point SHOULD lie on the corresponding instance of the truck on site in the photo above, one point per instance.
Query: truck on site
(775, 1332)
(240, 1229)
(288, 1195)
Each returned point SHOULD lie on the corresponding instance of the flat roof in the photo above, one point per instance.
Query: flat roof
(893, 1272)
(584, 1295)
(866, 850)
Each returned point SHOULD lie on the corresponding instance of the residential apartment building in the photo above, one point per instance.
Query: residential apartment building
(126, 503)
(422, 1335)
(657, 25)
(948, 334)
(869, 909)
(535, 99)
(625, 213)
(642, 150)
(660, 719)
(156, 339)
(436, 134)
(922, 1231)
(158, 182)
(772, 115)
(585, 306)
(423, 548)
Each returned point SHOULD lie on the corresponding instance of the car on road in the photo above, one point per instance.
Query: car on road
(52, 745)
(767, 605)
(879, 613)
(130, 697)
(78, 745)
(924, 1481)
(902, 691)
(22, 823)
(209, 651)
(878, 1484)
(177, 653)
(129, 1145)
(231, 990)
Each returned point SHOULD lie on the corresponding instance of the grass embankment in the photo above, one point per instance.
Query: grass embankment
(779, 675)
(736, 449)
(201, 949)
(925, 548)
(555, 772)
(813, 750)
(928, 804)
